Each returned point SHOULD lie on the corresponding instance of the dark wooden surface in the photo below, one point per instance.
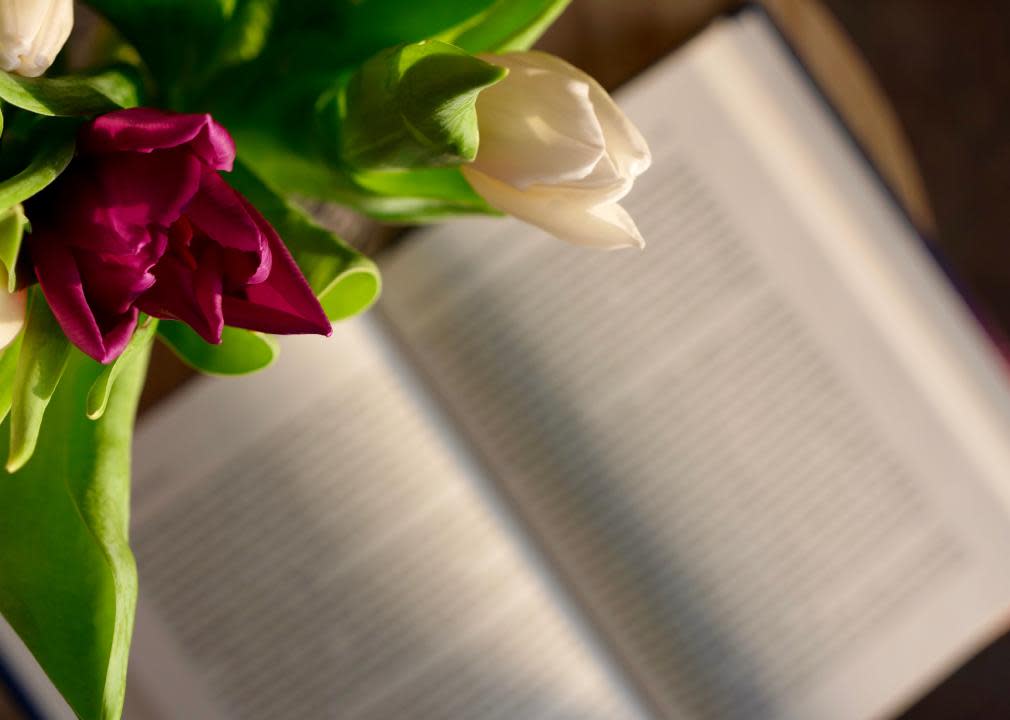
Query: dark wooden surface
(945, 65)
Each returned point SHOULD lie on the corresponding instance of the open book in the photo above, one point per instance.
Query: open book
(758, 470)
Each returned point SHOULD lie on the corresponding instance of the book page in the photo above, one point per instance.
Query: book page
(25, 691)
(766, 449)
(312, 543)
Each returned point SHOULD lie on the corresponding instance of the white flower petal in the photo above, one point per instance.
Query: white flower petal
(603, 185)
(53, 34)
(20, 21)
(621, 224)
(603, 226)
(625, 143)
(12, 315)
(557, 152)
(537, 127)
(32, 32)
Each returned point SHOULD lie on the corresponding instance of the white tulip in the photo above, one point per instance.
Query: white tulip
(557, 152)
(12, 315)
(32, 33)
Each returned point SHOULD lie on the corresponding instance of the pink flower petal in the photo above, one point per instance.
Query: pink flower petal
(283, 304)
(190, 295)
(219, 212)
(64, 291)
(138, 190)
(147, 129)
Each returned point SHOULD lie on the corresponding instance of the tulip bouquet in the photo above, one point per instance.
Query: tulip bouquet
(154, 191)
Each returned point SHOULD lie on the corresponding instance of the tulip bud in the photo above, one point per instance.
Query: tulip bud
(557, 152)
(166, 236)
(32, 32)
(12, 315)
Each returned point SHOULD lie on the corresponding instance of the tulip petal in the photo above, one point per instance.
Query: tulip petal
(146, 129)
(51, 36)
(218, 211)
(625, 144)
(208, 293)
(19, 24)
(120, 284)
(621, 230)
(536, 127)
(283, 304)
(64, 291)
(603, 185)
(187, 293)
(76, 202)
(113, 282)
(604, 226)
(138, 190)
(12, 315)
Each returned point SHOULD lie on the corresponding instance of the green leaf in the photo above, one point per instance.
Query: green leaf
(172, 37)
(411, 106)
(369, 26)
(248, 31)
(344, 280)
(329, 35)
(72, 95)
(51, 159)
(8, 367)
(421, 195)
(12, 228)
(43, 357)
(241, 351)
(69, 584)
(506, 26)
(101, 391)
(405, 196)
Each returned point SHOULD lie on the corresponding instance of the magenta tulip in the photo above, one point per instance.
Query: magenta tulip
(142, 221)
